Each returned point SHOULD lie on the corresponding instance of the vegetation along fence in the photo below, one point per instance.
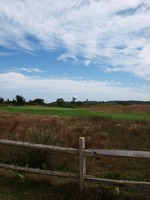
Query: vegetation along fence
(82, 153)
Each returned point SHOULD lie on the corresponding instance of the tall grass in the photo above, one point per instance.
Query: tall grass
(33, 187)
(100, 132)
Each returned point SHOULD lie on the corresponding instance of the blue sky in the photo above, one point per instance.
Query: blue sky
(91, 49)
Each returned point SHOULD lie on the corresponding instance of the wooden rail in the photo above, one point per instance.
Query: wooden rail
(39, 171)
(117, 153)
(39, 146)
(82, 153)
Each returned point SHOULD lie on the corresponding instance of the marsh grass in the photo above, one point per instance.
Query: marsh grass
(100, 132)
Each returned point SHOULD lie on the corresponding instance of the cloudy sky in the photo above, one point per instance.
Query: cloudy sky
(93, 49)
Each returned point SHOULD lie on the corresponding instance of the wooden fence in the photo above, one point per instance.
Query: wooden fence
(82, 153)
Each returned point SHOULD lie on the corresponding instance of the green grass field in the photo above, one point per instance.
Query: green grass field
(41, 110)
(74, 112)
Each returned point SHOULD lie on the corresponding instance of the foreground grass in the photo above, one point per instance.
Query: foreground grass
(99, 132)
(75, 112)
(13, 187)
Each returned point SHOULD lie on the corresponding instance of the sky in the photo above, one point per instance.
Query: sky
(91, 49)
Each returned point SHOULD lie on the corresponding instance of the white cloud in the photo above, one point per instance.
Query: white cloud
(115, 31)
(66, 57)
(87, 62)
(50, 89)
(30, 70)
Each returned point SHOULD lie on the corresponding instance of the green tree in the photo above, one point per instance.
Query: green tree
(8, 101)
(73, 99)
(20, 100)
(1, 100)
(60, 102)
(36, 102)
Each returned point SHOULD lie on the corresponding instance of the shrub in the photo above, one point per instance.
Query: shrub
(33, 157)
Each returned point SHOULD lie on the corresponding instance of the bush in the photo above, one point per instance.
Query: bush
(35, 158)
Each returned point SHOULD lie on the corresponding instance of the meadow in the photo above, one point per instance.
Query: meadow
(115, 112)
(106, 127)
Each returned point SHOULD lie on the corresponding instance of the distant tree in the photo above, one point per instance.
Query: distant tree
(74, 99)
(124, 103)
(60, 102)
(79, 103)
(1, 100)
(7, 101)
(14, 101)
(36, 102)
(20, 100)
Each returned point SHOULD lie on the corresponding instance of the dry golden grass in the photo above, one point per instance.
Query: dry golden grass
(122, 108)
(99, 133)
(22, 127)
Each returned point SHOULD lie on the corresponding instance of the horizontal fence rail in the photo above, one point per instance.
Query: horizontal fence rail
(87, 152)
(117, 153)
(82, 153)
(39, 171)
(116, 182)
(39, 146)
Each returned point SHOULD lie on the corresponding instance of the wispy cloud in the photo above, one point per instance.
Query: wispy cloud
(30, 70)
(115, 32)
(66, 57)
(87, 62)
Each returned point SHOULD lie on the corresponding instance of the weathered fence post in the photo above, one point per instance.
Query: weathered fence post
(82, 163)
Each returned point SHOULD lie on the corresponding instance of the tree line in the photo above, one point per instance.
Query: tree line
(19, 100)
